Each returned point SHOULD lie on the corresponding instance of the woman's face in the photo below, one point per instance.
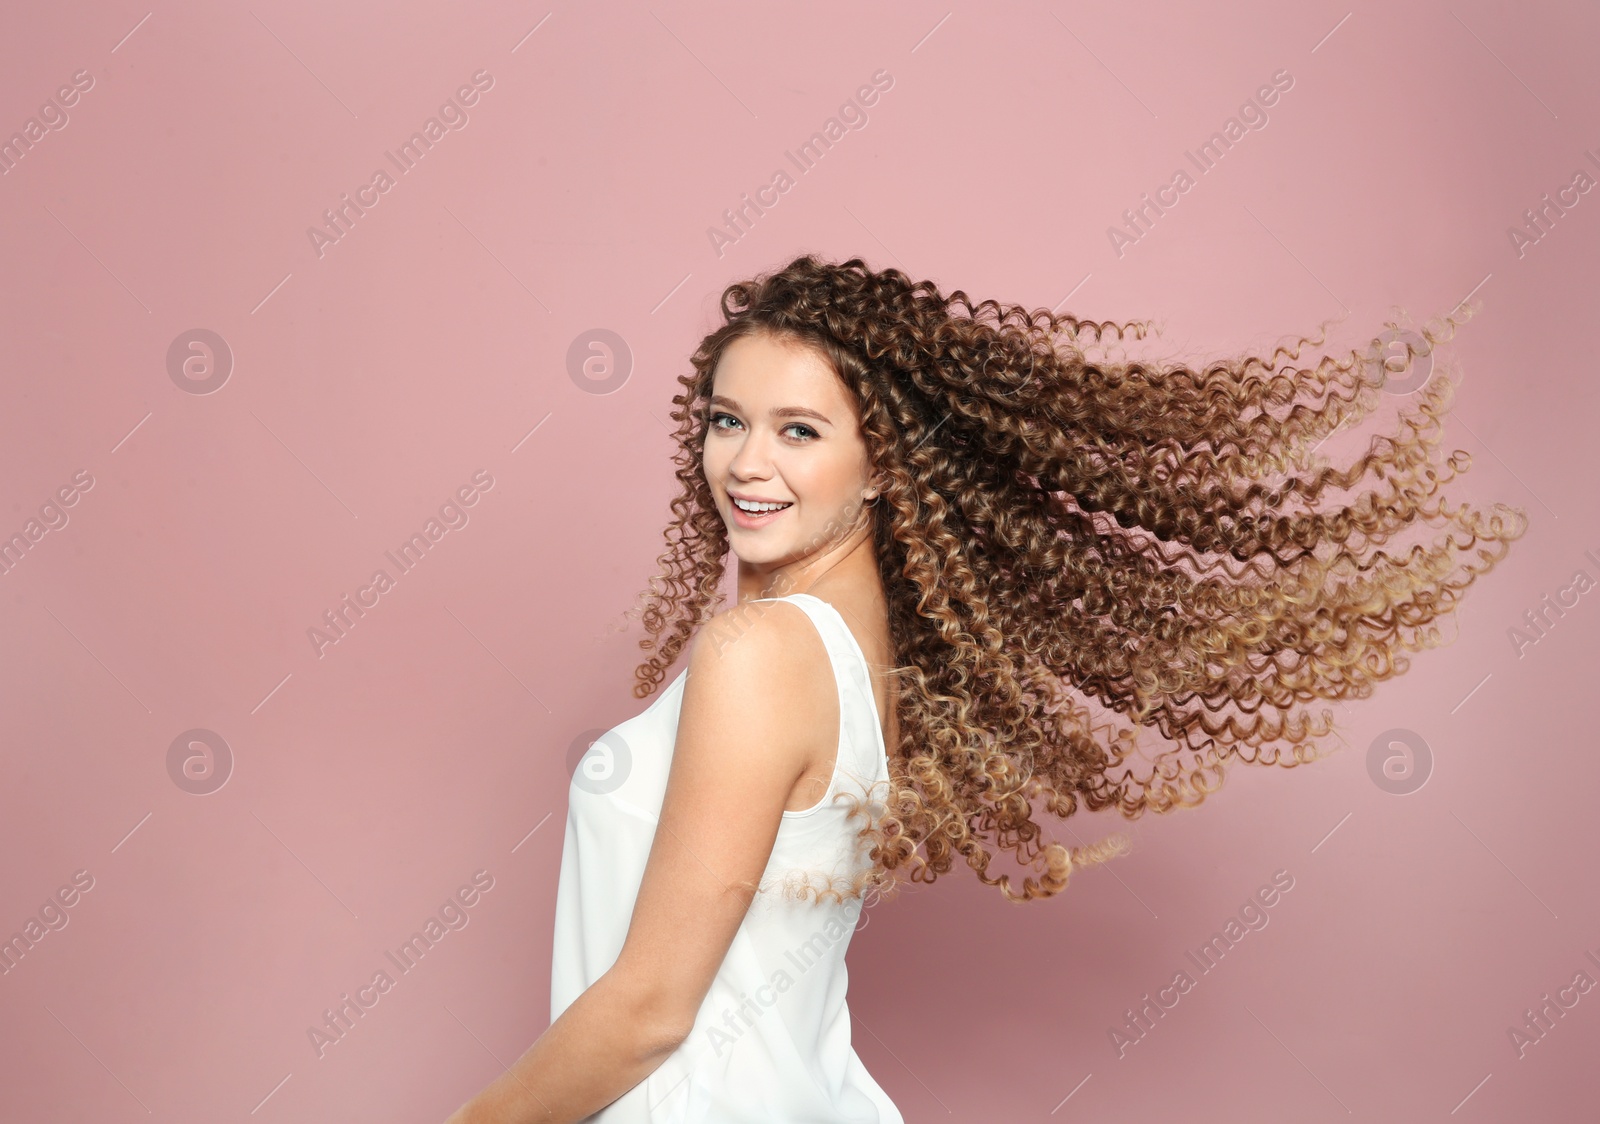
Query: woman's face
(783, 429)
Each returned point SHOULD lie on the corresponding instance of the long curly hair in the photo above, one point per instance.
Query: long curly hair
(1054, 529)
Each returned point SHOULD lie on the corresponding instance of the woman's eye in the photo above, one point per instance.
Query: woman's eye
(805, 431)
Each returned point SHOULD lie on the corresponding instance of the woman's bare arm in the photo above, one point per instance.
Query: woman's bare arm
(602, 1045)
(755, 711)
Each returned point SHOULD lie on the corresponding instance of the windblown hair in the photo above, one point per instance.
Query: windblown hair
(1145, 535)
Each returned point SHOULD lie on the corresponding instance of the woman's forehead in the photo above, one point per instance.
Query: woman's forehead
(757, 371)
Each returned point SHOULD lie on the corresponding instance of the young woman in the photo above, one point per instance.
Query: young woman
(944, 523)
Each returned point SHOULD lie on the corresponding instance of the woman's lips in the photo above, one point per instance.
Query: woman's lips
(751, 520)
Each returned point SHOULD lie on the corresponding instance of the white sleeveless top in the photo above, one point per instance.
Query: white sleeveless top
(771, 1041)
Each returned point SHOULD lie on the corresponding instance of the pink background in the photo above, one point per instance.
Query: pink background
(431, 342)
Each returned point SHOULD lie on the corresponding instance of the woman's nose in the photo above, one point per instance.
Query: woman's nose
(753, 457)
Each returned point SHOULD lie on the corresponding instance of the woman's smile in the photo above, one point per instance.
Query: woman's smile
(753, 514)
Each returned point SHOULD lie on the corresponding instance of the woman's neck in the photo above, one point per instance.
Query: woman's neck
(851, 560)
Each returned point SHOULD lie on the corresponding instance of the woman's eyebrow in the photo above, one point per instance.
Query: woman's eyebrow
(777, 412)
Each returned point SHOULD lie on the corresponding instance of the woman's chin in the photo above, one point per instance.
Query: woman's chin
(755, 557)
(753, 553)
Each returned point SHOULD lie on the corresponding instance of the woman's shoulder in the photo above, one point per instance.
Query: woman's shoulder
(771, 646)
(767, 674)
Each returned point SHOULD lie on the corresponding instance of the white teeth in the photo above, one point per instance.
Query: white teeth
(747, 505)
